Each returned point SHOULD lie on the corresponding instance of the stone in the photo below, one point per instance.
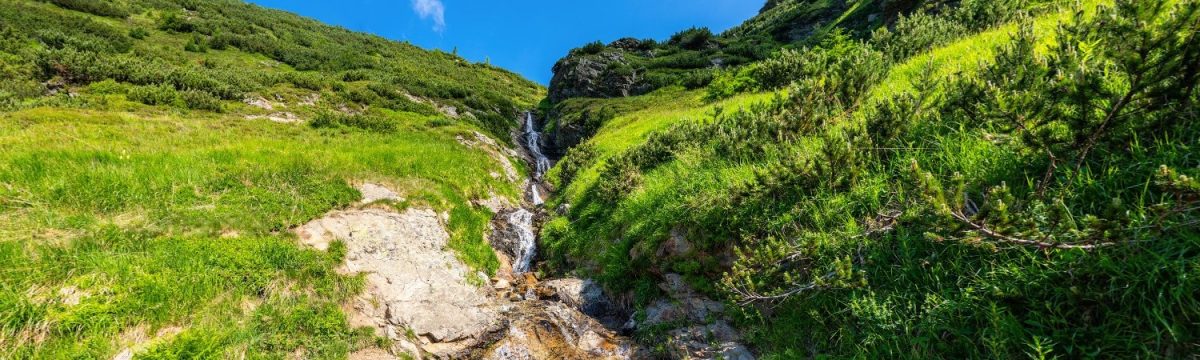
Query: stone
(415, 281)
(259, 102)
(126, 354)
(705, 333)
(375, 192)
(676, 245)
(714, 341)
(553, 330)
(495, 203)
(584, 295)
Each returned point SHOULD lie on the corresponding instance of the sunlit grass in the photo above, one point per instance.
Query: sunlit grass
(171, 220)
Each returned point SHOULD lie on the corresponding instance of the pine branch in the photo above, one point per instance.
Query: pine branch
(1024, 242)
(749, 297)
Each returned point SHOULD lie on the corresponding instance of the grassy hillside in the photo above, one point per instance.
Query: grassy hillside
(210, 55)
(147, 191)
(966, 182)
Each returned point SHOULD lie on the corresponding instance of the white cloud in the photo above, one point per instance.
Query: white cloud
(434, 9)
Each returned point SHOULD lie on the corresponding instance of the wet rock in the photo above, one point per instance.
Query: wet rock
(505, 271)
(502, 284)
(513, 234)
(586, 296)
(494, 202)
(553, 330)
(692, 309)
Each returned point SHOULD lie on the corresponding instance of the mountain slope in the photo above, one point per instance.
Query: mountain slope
(966, 181)
(155, 156)
(213, 51)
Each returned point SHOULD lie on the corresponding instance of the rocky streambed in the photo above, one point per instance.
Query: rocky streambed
(430, 305)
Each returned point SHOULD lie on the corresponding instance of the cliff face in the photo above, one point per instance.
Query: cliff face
(603, 75)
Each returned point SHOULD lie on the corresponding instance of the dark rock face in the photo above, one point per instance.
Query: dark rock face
(602, 75)
(573, 131)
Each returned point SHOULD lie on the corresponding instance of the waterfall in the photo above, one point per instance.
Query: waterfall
(524, 248)
(522, 221)
(535, 195)
(534, 145)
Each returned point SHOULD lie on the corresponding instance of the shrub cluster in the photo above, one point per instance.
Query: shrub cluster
(1037, 203)
(372, 123)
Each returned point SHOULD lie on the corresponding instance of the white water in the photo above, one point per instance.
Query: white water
(533, 144)
(535, 196)
(522, 220)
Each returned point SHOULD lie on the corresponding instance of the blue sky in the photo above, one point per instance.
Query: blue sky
(525, 36)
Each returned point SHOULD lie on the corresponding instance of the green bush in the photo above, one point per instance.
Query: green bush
(306, 80)
(355, 75)
(200, 100)
(591, 48)
(372, 123)
(138, 33)
(693, 39)
(175, 23)
(731, 82)
(220, 41)
(846, 64)
(195, 45)
(108, 87)
(154, 94)
(107, 8)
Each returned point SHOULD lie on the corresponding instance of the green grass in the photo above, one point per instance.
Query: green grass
(627, 130)
(268, 53)
(148, 184)
(173, 219)
(927, 288)
(964, 56)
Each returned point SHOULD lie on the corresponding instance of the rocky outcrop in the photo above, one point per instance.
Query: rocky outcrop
(416, 290)
(431, 305)
(604, 75)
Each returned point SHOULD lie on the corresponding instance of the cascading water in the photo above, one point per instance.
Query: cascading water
(520, 221)
(526, 249)
(540, 162)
